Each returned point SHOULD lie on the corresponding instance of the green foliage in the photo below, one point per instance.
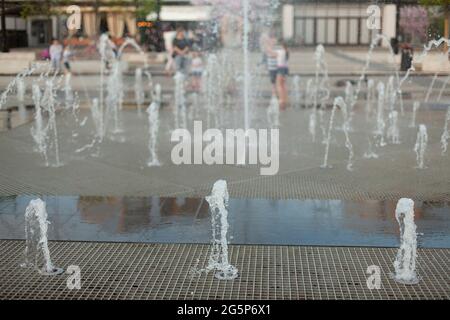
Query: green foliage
(144, 7)
(434, 2)
(47, 7)
(43, 7)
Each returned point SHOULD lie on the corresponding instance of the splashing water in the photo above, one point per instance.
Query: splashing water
(369, 99)
(346, 128)
(318, 89)
(421, 146)
(149, 81)
(446, 133)
(49, 104)
(430, 88)
(328, 138)
(97, 119)
(370, 154)
(19, 77)
(212, 79)
(416, 107)
(156, 94)
(138, 89)
(297, 92)
(393, 130)
(21, 98)
(405, 262)
(193, 110)
(339, 102)
(37, 254)
(312, 124)
(349, 101)
(218, 260)
(427, 48)
(444, 85)
(379, 132)
(180, 98)
(391, 94)
(153, 128)
(323, 129)
(38, 132)
(114, 98)
(68, 94)
(397, 89)
(134, 44)
(273, 112)
(105, 51)
(309, 93)
(183, 115)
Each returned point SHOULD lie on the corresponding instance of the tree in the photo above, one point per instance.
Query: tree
(4, 35)
(42, 8)
(144, 7)
(445, 9)
(414, 22)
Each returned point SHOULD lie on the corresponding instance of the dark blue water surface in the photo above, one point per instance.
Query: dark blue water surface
(252, 221)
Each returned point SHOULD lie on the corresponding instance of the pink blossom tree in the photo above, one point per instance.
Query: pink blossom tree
(414, 22)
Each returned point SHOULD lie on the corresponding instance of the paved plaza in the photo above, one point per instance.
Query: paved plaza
(126, 253)
(121, 167)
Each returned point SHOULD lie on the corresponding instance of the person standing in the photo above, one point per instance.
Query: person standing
(67, 53)
(271, 61)
(55, 51)
(282, 54)
(196, 71)
(169, 36)
(180, 51)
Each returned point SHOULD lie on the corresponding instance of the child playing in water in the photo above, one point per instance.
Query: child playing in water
(196, 71)
(67, 53)
(282, 54)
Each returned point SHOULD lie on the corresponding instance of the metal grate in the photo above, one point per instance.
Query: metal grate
(161, 271)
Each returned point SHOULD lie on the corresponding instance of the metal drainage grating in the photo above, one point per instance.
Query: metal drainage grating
(161, 271)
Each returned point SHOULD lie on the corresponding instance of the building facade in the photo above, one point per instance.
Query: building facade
(345, 22)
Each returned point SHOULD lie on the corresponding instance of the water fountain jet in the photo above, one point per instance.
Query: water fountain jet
(421, 146)
(153, 128)
(218, 261)
(405, 261)
(37, 254)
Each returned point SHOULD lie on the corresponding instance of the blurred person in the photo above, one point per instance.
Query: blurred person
(264, 40)
(169, 36)
(55, 52)
(271, 61)
(112, 46)
(196, 70)
(110, 52)
(282, 72)
(180, 51)
(67, 53)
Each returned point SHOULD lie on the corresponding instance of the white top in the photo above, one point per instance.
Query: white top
(281, 57)
(66, 55)
(55, 51)
(197, 65)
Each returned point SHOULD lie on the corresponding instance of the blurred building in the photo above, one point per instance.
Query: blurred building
(37, 29)
(344, 22)
(301, 22)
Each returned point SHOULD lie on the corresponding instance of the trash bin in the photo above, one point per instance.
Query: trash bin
(406, 58)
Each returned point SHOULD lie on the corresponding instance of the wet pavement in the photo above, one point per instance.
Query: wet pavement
(252, 221)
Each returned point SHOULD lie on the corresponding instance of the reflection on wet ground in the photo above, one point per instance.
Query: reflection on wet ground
(252, 221)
